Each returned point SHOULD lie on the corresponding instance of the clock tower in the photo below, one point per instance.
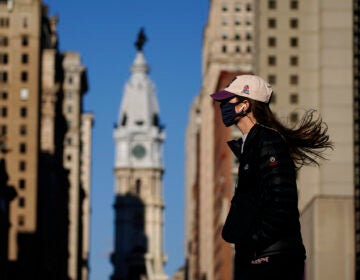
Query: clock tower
(138, 171)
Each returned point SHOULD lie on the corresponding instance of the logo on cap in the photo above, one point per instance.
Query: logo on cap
(245, 89)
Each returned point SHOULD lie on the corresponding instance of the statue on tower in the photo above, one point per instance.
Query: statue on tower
(140, 40)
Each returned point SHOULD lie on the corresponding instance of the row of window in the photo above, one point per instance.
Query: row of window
(4, 58)
(293, 79)
(272, 5)
(293, 23)
(4, 77)
(293, 98)
(237, 37)
(4, 41)
(4, 112)
(237, 49)
(5, 22)
(293, 60)
(237, 22)
(225, 7)
(293, 5)
(24, 94)
(22, 130)
(293, 41)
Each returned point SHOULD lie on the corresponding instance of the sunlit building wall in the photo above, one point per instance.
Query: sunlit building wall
(47, 162)
(305, 50)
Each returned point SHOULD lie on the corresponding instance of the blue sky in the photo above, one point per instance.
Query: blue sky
(104, 35)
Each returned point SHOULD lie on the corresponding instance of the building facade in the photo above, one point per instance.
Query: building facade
(41, 95)
(291, 44)
(139, 202)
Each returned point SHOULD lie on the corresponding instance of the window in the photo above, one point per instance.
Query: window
(22, 166)
(24, 40)
(23, 112)
(21, 220)
(272, 42)
(237, 7)
(294, 23)
(248, 7)
(294, 80)
(4, 22)
(237, 22)
(69, 95)
(224, 49)
(4, 58)
(69, 109)
(21, 202)
(3, 41)
(68, 141)
(294, 117)
(272, 23)
(25, 22)
(22, 184)
(22, 130)
(224, 36)
(248, 49)
(24, 58)
(3, 130)
(248, 21)
(3, 95)
(294, 5)
(272, 4)
(294, 61)
(272, 79)
(237, 49)
(248, 37)
(294, 42)
(294, 98)
(224, 7)
(224, 21)
(3, 76)
(24, 76)
(4, 112)
(272, 60)
(237, 37)
(24, 94)
(68, 157)
(22, 148)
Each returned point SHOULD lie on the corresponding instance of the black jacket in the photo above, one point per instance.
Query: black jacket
(264, 216)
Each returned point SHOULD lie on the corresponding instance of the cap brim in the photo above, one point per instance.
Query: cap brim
(222, 95)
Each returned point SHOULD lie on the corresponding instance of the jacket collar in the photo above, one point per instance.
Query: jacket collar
(235, 145)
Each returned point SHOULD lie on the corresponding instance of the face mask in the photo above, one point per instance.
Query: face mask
(228, 113)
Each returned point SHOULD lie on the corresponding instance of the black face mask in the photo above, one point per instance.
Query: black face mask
(228, 113)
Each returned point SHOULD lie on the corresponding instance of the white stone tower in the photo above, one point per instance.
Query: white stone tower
(138, 174)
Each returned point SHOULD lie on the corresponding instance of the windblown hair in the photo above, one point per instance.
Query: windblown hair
(307, 140)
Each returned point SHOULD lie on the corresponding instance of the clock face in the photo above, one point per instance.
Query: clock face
(139, 151)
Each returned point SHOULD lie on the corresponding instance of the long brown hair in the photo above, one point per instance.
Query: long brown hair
(307, 139)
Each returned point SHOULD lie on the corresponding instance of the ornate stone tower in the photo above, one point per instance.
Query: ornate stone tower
(138, 173)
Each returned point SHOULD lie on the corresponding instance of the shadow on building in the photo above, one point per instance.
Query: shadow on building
(7, 194)
(128, 258)
(43, 254)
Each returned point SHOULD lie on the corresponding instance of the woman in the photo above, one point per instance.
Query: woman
(263, 221)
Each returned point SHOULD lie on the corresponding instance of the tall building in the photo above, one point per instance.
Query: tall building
(48, 139)
(291, 44)
(139, 203)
